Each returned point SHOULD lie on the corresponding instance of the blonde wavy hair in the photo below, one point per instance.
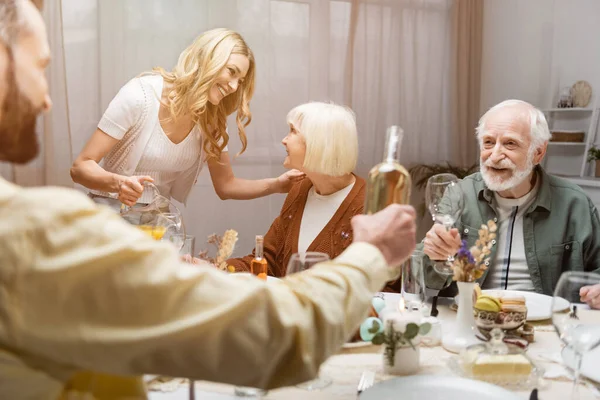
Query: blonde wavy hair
(194, 75)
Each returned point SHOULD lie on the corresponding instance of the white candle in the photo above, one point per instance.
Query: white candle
(399, 320)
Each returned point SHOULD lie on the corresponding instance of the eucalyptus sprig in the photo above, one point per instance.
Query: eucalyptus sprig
(392, 338)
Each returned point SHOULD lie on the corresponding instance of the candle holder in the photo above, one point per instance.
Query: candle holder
(401, 337)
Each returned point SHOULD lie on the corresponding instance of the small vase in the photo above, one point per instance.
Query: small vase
(464, 331)
(597, 168)
(406, 361)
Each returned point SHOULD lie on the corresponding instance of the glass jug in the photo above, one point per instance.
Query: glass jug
(160, 218)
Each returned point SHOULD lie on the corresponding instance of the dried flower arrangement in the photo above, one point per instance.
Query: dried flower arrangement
(225, 245)
(470, 264)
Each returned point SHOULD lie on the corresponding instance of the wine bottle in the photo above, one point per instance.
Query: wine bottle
(388, 182)
(258, 266)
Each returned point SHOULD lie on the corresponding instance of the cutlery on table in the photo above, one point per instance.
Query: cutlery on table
(366, 381)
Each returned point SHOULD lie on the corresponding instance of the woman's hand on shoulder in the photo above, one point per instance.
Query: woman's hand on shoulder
(286, 180)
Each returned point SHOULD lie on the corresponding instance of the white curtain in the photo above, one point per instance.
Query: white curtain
(396, 74)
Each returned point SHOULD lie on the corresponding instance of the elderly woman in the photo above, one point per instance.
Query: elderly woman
(322, 143)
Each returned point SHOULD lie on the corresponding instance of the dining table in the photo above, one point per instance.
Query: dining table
(347, 366)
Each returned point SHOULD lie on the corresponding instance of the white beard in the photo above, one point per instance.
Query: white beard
(498, 184)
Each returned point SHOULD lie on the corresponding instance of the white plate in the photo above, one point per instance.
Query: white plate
(269, 278)
(590, 365)
(354, 345)
(436, 387)
(538, 305)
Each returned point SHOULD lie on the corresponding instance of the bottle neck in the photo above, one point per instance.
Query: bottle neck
(258, 249)
(392, 144)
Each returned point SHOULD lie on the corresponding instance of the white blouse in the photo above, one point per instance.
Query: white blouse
(143, 147)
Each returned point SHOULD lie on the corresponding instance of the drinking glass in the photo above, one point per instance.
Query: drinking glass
(301, 262)
(444, 199)
(187, 244)
(413, 282)
(580, 331)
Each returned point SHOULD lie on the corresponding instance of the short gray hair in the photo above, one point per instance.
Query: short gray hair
(12, 21)
(538, 126)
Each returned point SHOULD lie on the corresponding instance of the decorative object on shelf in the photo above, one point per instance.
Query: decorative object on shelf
(400, 338)
(421, 173)
(567, 136)
(565, 100)
(225, 245)
(469, 265)
(594, 155)
(582, 93)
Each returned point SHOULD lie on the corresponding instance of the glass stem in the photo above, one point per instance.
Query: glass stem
(450, 259)
(576, 375)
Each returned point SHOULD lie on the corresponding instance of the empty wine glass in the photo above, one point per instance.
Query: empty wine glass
(444, 199)
(301, 262)
(577, 327)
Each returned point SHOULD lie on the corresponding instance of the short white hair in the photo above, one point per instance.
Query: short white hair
(538, 126)
(329, 131)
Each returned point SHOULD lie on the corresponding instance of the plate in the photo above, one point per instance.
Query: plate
(590, 364)
(538, 305)
(436, 387)
(354, 345)
(269, 278)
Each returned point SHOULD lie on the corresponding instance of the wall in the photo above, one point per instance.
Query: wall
(532, 48)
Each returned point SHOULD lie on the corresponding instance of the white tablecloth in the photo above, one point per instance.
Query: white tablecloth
(346, 368)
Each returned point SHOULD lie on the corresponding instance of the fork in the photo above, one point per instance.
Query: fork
(366, 381)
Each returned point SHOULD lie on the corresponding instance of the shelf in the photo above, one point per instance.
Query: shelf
(566, 144)
(572, 109)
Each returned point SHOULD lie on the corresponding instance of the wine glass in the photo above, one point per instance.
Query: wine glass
(579, 330)
(444, 199)
(301, 262)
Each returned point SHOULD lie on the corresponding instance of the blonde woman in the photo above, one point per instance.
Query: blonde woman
(322, 142)
(163, 126)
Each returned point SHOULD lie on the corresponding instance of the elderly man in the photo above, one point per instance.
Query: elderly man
(546, 225)
(82, 292)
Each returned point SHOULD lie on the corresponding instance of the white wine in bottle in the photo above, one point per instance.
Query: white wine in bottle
(388, 182)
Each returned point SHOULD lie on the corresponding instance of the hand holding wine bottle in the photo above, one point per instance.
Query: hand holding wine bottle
(391, 230)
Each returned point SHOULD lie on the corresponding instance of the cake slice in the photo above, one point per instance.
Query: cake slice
(505, 364)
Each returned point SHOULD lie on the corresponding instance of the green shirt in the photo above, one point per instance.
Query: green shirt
(561, 230)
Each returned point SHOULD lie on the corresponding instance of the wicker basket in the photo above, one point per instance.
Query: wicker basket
(568, 136)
